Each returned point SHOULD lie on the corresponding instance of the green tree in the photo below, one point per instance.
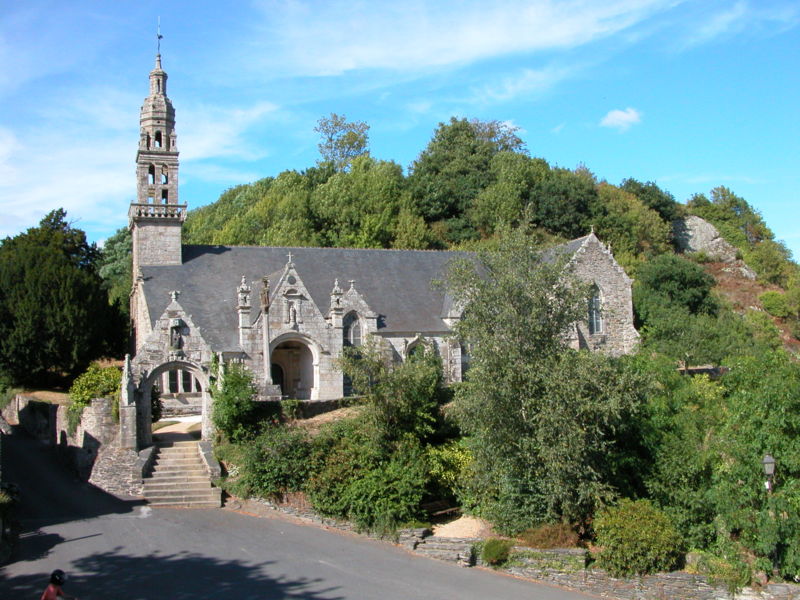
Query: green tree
(54, 312)
(653, 197)
(634, 231)
(504, 202)
(672, 281)
(562, 202)
(359, 208)
(342, 140)
(115, 269)
(541, 420)
(454, 168)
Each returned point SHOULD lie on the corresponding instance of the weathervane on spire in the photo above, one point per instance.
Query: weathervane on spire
(159, 37)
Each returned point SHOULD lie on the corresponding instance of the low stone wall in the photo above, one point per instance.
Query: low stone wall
(566, 567)
(91, 452)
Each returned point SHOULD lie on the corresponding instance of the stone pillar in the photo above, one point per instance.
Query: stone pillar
(128, 430)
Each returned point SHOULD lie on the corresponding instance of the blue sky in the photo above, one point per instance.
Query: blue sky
(689, 94)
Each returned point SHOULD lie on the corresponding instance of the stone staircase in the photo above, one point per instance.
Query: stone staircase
(179, 478)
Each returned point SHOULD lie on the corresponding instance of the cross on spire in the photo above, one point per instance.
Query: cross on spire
(290, 257)
(159, 37)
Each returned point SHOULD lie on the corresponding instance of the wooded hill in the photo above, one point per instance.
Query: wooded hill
(475, 177)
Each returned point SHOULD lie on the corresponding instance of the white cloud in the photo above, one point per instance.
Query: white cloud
(215, 131)
(742, 17)
(338, 36)
(621, 120)
(526, 83)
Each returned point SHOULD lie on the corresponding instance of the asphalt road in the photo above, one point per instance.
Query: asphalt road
(113, 549)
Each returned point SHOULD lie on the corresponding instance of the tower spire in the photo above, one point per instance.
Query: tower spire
(156, 216)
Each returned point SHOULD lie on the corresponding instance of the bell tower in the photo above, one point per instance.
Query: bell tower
(156, 217)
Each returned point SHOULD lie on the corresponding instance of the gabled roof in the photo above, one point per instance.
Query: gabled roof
(396, 284)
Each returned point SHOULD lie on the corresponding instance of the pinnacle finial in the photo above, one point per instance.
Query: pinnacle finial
(159, 37)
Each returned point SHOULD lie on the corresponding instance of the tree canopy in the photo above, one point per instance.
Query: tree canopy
(55, 317)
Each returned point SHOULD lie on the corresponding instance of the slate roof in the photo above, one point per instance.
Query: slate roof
(396, 284)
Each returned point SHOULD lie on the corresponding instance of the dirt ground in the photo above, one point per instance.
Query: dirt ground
(464, 527)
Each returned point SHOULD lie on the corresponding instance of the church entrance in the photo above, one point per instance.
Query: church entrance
(182, 387)
(293, 369)
(180, 393)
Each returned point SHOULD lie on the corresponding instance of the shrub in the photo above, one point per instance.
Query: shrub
(551, 535)
(7, 391)
(448, 469)
(730, 571)
(495, 551)
(235, 412)
(275, 462)
(291, 409)
(775, 303)
(636, 538)
(95, 382)
(356, 479)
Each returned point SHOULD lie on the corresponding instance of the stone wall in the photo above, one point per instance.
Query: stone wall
(593, 263)
(91, 453)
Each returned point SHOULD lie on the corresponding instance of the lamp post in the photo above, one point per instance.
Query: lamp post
(769, 471)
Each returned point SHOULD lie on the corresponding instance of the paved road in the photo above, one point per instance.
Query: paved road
(120, 550)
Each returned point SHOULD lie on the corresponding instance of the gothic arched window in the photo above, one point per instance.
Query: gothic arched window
(158, 139)
(151, 175)
(351, 330)
(164, 175)
(595, 311)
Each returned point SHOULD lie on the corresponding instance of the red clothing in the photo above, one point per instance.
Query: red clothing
(53, 592)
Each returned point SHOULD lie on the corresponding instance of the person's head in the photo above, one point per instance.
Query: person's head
(58, 577)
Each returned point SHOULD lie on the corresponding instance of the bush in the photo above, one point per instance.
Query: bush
(551, 535)
(448, 469)
(95, 382)
(275, 462)
(358, 480)
(235, 412)
(636, 538)
(775, 303)
(495, 551)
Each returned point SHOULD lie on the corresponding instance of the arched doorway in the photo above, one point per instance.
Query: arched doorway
(173, 380)
(294, 368)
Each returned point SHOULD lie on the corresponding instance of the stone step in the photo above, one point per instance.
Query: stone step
(178, 462)
(190, 503)
(211, 498)
(208, 491)
(179, 477)
(179, 468)
(188, 443)
(177, 452)
(157, 484)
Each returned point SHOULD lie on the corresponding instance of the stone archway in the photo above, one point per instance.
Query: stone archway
(296, 358)
(186, 373)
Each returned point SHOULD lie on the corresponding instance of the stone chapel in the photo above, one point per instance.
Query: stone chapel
(287, 313)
